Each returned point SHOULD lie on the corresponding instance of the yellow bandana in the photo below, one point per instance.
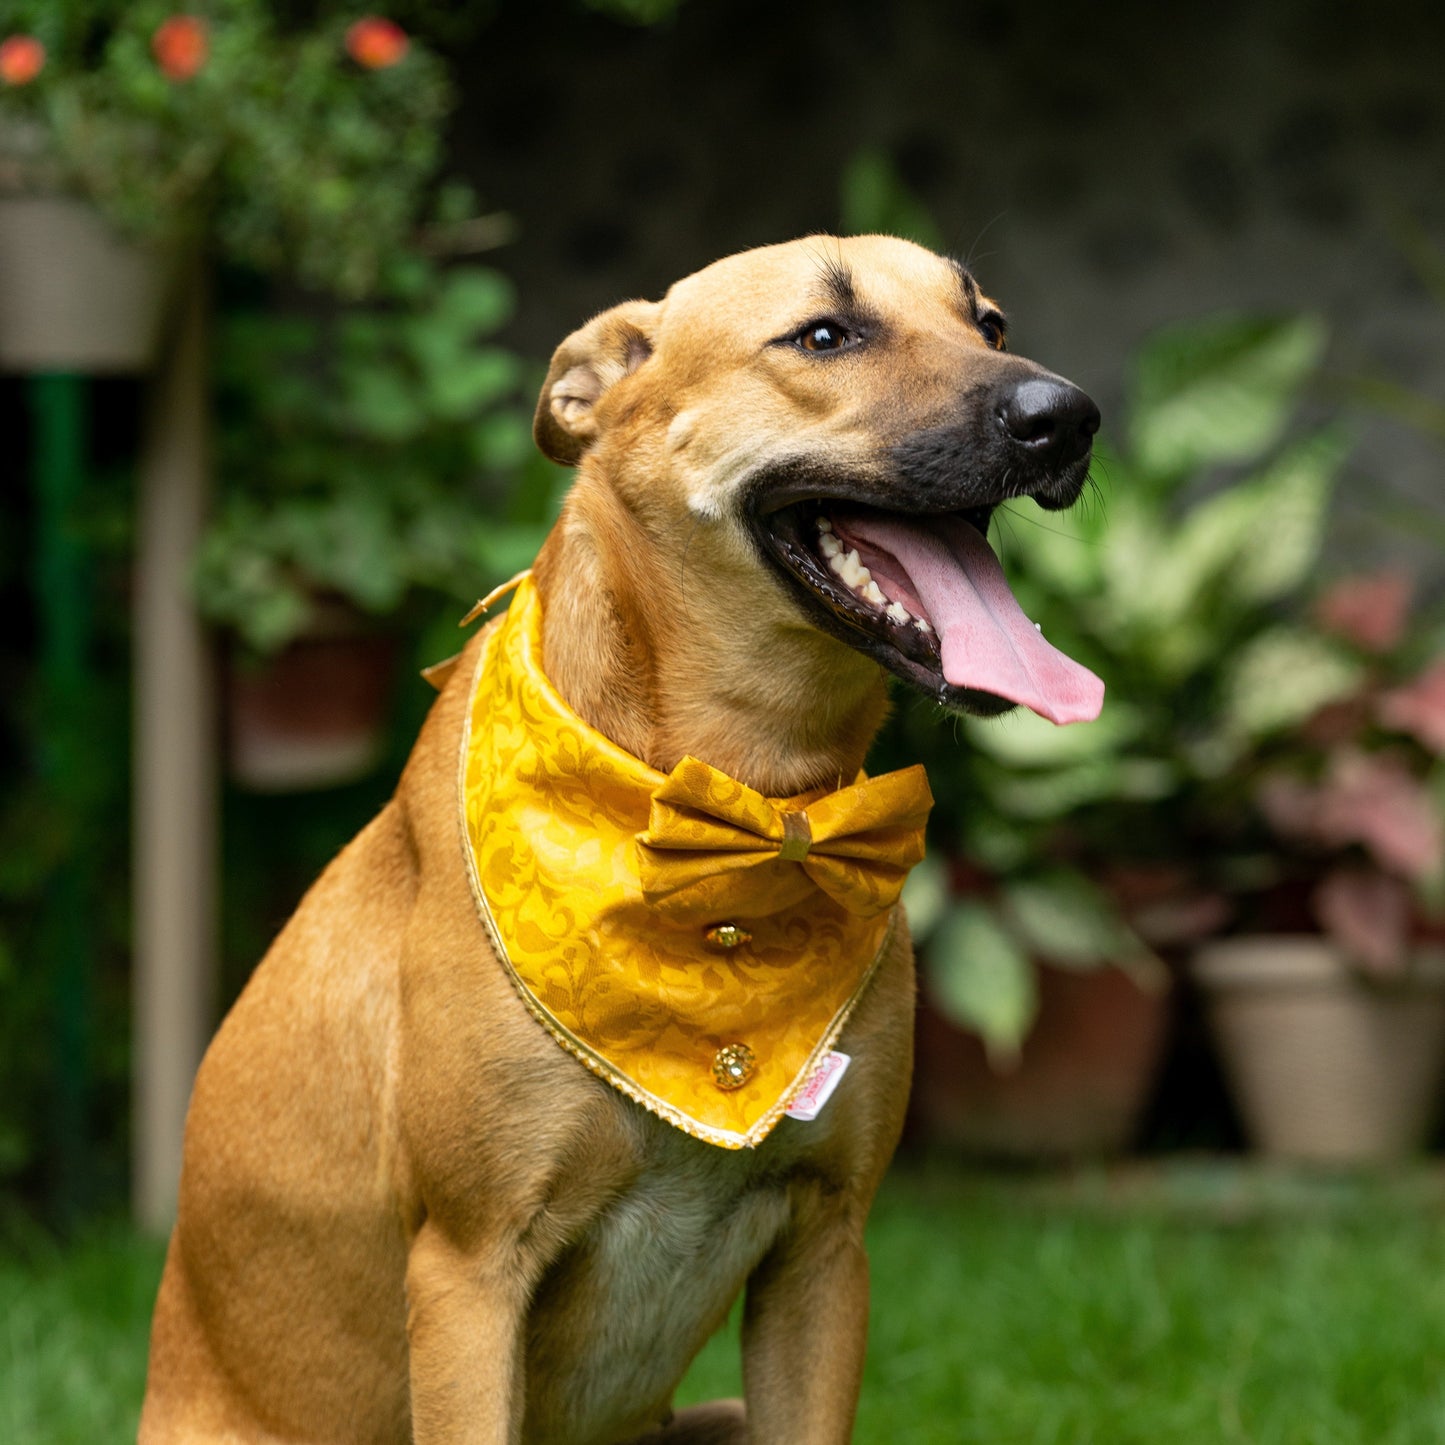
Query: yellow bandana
(696, 944)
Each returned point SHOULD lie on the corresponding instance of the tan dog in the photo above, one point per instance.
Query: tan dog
(406, 1214)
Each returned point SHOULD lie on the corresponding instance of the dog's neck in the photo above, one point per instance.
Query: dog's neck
(642, 655)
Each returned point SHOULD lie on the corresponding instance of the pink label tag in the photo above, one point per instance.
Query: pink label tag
(819, 1088)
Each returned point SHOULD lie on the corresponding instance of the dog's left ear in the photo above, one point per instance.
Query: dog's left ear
(609, 347)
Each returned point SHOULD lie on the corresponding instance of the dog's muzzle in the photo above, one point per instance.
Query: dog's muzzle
(1049, 424)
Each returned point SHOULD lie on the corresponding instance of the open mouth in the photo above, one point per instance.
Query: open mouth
(924, 595)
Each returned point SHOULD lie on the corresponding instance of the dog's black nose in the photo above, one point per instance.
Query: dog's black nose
(1052, 420)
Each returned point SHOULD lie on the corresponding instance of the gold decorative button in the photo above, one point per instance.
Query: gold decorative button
(727, 935)
(733, 1066)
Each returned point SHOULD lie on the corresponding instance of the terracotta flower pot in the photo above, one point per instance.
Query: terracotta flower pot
(1326, 1066)
(1079, 1089)
(73, 297)
(312, 716)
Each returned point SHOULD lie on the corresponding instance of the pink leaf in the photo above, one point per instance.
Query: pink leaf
(1290, 806)
(1418, 708)
(1369, 610)
(1368, 914)
(1375, 800)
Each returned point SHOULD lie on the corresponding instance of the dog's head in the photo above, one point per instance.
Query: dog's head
(841, 417)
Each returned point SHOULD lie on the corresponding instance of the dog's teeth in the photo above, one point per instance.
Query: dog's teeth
(848, 568)
(921, 623)
(897, 612)
(1038, 627)
(824, 525)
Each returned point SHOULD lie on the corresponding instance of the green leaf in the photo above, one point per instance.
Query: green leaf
(502, 440)
(1064, 919)
(1284, 676)
(15, 1149)
(981, 979)
(268, 621)
(925, 895)
(379, 403)
(1220, 390)
(477, 300)
(1057, 550)
(1250, 544)
(409, 278)
(635, 12)
(511, 547)
(1023, 739)
(875, 199)
(538, 490)
(1046, 795)
(1281, 553)
(1172, 592)
(996, 843)
(1130, 563)
(472, 382)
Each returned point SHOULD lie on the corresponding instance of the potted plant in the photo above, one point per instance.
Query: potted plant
(1093, 845)
(1329, 1004)
(372, 461)
(1329, 1007)
(134, 133)
(1043, 1018)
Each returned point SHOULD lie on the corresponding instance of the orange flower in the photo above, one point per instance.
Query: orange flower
(180, 46)
(376, 42)
(22, 57)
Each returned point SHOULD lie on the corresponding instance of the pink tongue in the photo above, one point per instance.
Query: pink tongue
(987, 642)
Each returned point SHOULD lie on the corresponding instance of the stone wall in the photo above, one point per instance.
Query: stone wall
(1104, 169)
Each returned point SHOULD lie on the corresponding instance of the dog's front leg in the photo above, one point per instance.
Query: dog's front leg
(805, 1328)
(465, 1313)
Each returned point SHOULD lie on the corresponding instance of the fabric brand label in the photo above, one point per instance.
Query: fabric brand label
(819, 1089)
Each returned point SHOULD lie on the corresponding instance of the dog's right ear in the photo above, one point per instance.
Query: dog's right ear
(609, 347)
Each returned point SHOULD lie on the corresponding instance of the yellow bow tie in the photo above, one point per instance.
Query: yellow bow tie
(713, 846)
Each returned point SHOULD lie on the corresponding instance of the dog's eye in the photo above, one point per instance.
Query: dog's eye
(823, 336)
(993, 330)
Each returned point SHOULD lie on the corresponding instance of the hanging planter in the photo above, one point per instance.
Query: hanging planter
(1326, 1065)
(314, 714)
(168, 126)
(73, 296)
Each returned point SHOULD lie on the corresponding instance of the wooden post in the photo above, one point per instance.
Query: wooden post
(176, 814)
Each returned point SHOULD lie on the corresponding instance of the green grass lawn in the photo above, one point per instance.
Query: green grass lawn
(1186, 1306)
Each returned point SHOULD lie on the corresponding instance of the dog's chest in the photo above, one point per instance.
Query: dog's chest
(621, 1314)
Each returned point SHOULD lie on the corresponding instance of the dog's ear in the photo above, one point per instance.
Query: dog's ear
(609, 347)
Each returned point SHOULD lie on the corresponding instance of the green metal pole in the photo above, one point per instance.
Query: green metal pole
(58, 407)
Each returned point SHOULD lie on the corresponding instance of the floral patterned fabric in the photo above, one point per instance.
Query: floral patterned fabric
(653, 924)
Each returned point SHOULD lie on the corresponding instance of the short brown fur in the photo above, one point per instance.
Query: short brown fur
(406, 1214)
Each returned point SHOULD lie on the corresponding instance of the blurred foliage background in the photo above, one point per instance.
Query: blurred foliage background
(1235, 243)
